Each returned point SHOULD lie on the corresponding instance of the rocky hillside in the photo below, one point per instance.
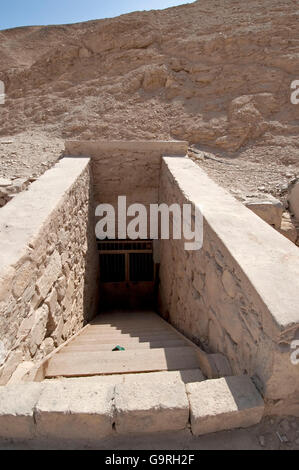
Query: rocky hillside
(215, 72)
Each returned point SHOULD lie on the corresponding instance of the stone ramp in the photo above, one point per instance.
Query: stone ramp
(150, 343)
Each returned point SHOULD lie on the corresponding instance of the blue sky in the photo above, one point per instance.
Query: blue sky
(35, 12)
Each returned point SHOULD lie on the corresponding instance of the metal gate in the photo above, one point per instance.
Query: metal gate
(127, 272)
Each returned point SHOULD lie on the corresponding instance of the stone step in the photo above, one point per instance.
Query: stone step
(126, 331)
(112, 320)
(93, 408)
(225, 403)
(132, 341)
(94, 329)
(112, 315)
(125, 344)
(126, 337)
(97, 363)
(133, 325)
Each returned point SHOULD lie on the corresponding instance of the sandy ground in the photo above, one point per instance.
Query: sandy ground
(254, 172)
(28, 155)
(270, 434)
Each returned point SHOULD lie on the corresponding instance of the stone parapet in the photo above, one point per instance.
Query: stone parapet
(48, 264)
(239, 294)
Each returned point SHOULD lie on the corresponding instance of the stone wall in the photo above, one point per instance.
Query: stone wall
(48, 264)
(239, 294)
(126, 168)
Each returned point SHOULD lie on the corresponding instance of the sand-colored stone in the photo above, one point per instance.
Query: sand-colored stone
(84, 363)
(150, 344)
(50, 275)
(32, 265)
(269, 210)
(249, 297)
(17, 404)
(126, 168)
(145, 406)
(72, 410)
(21, 372)
(185, 376)
(289, 230)
(226, 403)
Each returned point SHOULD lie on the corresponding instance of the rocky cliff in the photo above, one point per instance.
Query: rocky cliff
(215, 72)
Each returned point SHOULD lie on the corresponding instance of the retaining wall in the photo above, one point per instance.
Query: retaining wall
(239, 294)
(126, 168)
(48, 264)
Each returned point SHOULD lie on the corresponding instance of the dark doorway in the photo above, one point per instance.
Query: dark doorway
(127, 274)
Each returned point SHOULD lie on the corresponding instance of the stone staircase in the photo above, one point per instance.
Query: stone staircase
(86, 392)
(150, 344)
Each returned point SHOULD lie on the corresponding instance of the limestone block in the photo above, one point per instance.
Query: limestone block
(3, 352)
(29, 293)
(225, 403)
(17, 403)
(57, 333)
(288, 230)
(47, 346)
(150, 406)
(54, 308)
(76, 409)
(68, 299)
(5, 182)
(66, 331)
(50, 275)
(36, 301)
(21, 372)
(169, 377)
(61, 288)
(51, 301)
(26, 325)
(269, 210)
(9, 366)
(38, 330)
(22, 278)
(93, 379)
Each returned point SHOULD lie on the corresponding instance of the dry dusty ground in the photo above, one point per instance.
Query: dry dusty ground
(268, 435)
(28, 155)
(252, 172)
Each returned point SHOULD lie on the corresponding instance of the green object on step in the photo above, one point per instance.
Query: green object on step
(118, 348)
